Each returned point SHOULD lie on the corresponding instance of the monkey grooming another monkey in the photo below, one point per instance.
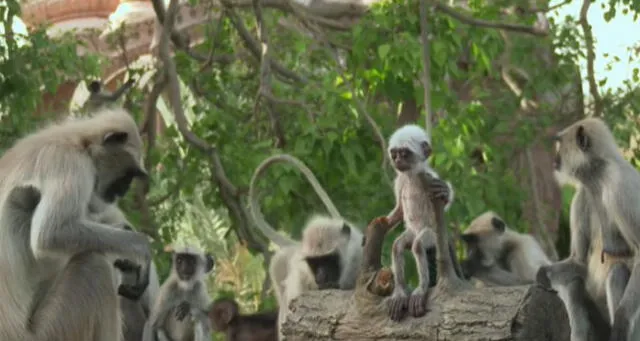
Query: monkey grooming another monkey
(183, 292)
(409, 149)
(587, 155)
(99, 97)
(225, 317)
(499, 255)
(63, 259)
(328, 256)
(567, 279)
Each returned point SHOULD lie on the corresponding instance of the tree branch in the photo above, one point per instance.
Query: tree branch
(536, 30)
(591, 56)
(426, 63)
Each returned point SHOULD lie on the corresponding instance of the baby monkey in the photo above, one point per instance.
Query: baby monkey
(409, 149)
(567, 280)
(225, 317)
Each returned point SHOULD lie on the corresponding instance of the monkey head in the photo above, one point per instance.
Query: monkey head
(115, 147)
(189, 263)
(561, 275)
(409, 146)
(582, 149)
(484, 239)
(95, 87)
(325, 243)
(222, 312)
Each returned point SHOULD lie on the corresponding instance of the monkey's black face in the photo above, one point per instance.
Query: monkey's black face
(326, 270)
(120, 186)
(403, 158)
(186, 265)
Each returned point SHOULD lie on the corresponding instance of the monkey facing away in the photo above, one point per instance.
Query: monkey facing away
(182, 293)
(225, 317)
(99, 97)
(567, 279)
(329, 255)
(500, 256)
(409, 148)
(587, 155)
(62, 258)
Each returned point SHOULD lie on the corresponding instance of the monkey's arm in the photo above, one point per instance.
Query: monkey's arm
(396, 215)
(623, 214)
(59, 224)
(450, 198)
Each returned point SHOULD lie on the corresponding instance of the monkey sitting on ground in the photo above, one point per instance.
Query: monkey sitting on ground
(99, 97)
(567, 279)
(497, 255)
(184, 291)
(64, 259)
(587, 156)
(328, 256)
(225, 317)
(409, 149)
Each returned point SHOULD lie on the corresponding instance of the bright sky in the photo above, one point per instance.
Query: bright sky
(613, 37)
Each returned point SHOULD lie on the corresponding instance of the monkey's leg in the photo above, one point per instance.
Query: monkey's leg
(82, 303)
(628, 308)
(418, 299)
(397, 303)
(454, 258)
(617, 280)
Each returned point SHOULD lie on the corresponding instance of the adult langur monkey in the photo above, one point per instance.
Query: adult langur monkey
(328, 256)
(134, 312)
(58, 281)
(587, 155)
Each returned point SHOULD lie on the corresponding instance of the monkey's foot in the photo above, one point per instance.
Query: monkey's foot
(397, 306)
(418, 303)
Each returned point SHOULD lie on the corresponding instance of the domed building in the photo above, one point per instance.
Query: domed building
(121, 30)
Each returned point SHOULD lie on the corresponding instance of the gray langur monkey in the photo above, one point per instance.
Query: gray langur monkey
(498, 255)
(134, 312)
(183, 293)
(567, 280)
(64, 259)
(587, 155)
(329, 255)
(409, 150)
(99, 97)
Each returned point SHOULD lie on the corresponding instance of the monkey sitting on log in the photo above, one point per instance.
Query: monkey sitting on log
(416, 185)
(497, 255)
(225, 317)
(328, 256)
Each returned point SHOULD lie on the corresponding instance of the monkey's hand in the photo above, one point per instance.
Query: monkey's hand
(613, 244)
(380, 221)
(439, 189)
(182, 310)
(133, 291)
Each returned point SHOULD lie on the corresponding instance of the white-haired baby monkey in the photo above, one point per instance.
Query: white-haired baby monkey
(181, 294)
(587, 156)
(567, 280)
(328, 256)
(409, 149)
(498, 255)
(64, 256)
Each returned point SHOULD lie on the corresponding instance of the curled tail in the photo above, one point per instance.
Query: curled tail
(254, 206)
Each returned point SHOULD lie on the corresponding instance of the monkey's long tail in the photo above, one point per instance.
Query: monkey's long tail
(254, 206)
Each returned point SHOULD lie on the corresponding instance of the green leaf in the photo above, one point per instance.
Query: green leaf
(383, 50)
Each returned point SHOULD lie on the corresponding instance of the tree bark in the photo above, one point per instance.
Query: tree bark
(523, 313)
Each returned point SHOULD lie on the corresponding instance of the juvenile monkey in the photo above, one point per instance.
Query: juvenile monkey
(409, 149)
(328, 256)
(587, 156)
(567, 279)
(62, 258)
(225, 317)
(500, 255)
(183, 292)
(99, 97)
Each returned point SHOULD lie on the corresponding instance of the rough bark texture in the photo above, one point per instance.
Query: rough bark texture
(520, 313)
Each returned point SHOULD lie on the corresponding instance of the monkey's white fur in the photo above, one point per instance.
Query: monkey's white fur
(524, 256)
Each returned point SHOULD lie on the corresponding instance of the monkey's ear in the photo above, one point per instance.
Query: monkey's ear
(583, 139)
(94, 87)
(115, 138)
(426, 149)
(209, 262)
(469, 238)
(346, 230)
(498, 224)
